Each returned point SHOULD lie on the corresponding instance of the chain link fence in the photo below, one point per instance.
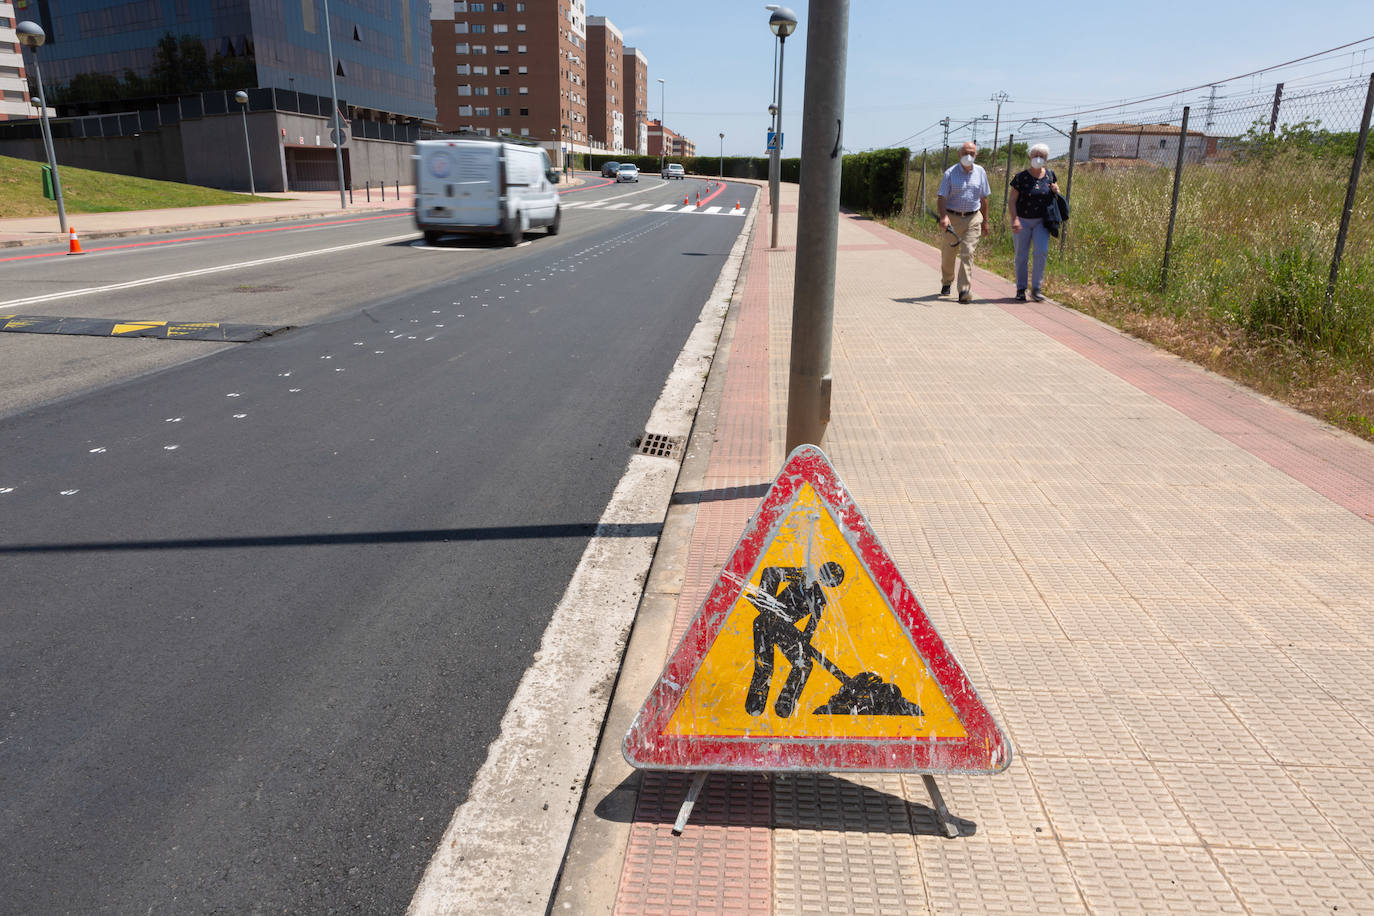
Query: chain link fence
(1247, 204)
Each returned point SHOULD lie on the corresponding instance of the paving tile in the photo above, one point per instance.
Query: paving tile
(1063, 724)
(1196, 728)
(1115, 801)
(1141, 878)
(1203, 621)
(1002, 805)
(1250, 806)
(1099, 618)
(1036, 666)
(1154, 668)
(844, 844)
(1343, 672)
(1271, 881)
(982, 875)
(1344, 796)
(1255, 670)
(1306, 730)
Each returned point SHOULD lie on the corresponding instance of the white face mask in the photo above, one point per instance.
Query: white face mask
(966, 161)
(1037, 162)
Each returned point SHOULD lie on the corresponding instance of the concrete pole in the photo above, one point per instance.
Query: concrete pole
(334, 101)
(818, 222)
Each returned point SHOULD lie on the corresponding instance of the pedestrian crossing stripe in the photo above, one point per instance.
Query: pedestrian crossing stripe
(866, 684)
(662, 208)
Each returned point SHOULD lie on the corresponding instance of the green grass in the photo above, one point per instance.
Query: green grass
(84, 191)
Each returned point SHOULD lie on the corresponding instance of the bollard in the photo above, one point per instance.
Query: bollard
(382, 185)
(367, 186)
(398, 190)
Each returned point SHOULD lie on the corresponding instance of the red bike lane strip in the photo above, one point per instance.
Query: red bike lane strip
(591, 187)
(710, 197)
(220, 235)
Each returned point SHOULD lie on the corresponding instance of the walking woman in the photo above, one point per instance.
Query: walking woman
(1030, 195)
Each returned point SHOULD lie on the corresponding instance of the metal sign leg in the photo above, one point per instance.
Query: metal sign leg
(698, 780)
(941, 812)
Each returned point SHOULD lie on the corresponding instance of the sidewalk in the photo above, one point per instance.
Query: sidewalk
(1160, 582)
(274, 206)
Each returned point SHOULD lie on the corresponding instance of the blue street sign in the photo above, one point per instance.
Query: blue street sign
(774, 141)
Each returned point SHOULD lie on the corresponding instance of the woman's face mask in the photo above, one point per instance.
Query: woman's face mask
(966, 161)
(1037, 162)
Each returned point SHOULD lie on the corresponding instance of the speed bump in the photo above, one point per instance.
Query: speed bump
(122, 327)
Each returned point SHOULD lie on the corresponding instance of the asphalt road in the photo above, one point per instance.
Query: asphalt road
(263, 605)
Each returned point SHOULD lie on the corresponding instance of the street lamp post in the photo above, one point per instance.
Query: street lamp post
(567, 150)
(662, 128)
(334, 101)
(242, 98)
(722, 157)
(31, 35)
(783, 22)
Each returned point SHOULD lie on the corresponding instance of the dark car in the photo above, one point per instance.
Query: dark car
(608, 169)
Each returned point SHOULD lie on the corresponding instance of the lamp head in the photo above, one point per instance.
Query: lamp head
(772, 109)
(30, 33)
(783, 22)
(241, 97)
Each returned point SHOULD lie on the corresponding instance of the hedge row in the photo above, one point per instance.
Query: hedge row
(873, 182)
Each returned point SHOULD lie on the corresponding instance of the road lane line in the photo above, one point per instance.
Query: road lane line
(165, 278)
(505, 844)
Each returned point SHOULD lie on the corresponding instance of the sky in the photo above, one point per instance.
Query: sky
(911, 64)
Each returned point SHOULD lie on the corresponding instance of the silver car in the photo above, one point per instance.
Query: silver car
(627, 172)
(674, 170)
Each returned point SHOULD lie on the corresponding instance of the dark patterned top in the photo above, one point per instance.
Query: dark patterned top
(1033, 195)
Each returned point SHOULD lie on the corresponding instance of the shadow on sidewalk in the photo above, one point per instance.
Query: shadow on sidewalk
(783, 801)
(912, 300)
(721, 494)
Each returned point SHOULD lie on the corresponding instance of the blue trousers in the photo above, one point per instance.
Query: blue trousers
(1033, 232)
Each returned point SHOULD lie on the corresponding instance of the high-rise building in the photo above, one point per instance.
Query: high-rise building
(635, 101)
(381, 48)
(605, 84)
(512, 68)
(14, 87)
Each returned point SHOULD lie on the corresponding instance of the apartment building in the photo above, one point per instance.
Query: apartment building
(635, 101)
(605, 84)
(664, 141)
(511, 68)
(14, 87)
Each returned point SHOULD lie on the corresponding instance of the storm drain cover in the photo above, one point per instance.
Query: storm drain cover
(659, 446)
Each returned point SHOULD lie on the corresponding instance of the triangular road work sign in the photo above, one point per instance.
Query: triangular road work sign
(810, 652)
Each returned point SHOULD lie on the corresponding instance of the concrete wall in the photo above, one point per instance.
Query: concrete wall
(1162, 149)
(210, 152)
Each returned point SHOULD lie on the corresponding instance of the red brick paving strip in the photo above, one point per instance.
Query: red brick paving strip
(723, 862)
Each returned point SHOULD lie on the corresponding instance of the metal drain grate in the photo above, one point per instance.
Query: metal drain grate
(659, 446)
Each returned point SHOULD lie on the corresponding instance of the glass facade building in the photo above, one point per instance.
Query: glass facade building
(381, 47)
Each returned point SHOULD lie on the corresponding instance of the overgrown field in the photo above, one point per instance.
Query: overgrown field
(1248, 269)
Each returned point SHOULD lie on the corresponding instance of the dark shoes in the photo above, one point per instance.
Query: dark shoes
(1020, 295)
(966, 297)
(944, 290)
(1035, 294)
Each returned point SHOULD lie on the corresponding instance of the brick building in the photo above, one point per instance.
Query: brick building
(503, 67)
(605, 84)
(14, 85)
(635, 101)
(666, 141)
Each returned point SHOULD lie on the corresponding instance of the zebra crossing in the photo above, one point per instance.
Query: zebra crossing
(662, 208)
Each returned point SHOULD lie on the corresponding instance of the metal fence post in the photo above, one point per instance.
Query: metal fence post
(1006, 184)
(1350, 194)
(923, 184)
(1068, 188)
(906, 178)
(1173, 203)
(1274, 114)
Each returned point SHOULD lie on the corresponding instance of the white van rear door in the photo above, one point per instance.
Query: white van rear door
(473, 185)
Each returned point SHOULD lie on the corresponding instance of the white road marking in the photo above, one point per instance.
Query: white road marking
(617, 206)
(166, 278)
(665, 208)
(712, 210)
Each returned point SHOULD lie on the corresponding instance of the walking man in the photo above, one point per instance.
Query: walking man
(783, 598)
(963, 205)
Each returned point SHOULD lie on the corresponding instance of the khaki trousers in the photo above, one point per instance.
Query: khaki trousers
(968, 229)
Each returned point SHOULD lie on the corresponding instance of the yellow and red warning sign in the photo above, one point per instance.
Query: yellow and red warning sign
(810, 652)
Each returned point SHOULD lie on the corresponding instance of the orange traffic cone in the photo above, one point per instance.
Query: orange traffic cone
(684, 200)
(698, 198)
(736, 205)
(73, 241)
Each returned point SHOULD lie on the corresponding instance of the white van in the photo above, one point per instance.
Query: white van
(486, 186)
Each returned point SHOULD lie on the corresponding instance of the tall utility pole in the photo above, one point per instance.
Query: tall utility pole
(1211, 109)
(944, 165)
(818, 229)
(999, 98)
(334, 100)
